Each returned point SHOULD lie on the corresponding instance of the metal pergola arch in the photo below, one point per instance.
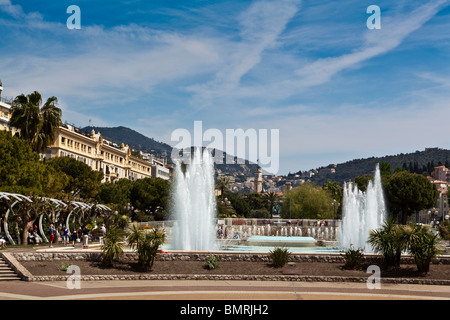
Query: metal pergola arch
(78, 205)
(18, 198)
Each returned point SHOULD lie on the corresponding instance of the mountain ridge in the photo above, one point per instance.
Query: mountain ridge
(418, 161)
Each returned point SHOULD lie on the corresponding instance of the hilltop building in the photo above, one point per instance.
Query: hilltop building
(441, 173)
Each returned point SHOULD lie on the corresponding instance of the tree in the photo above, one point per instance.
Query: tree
(389, 240)
(422, 244)
(151, 195)
(146, 244)
(307, 202)
(385, 169)
(24, 213)
(36, 125)
(83, 181)
(363, 181)
(256, 201)
(222, 184)
(337, 193)
(22, 172)
(271, 198)
(240, 205)
(112, 248)
(408, 192)
(116, 193)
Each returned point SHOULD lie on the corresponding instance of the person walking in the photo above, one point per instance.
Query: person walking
(74, 236)
(52, 235)
(65, 236)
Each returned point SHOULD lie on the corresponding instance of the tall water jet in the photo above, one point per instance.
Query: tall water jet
(194, 203)
(361, 213)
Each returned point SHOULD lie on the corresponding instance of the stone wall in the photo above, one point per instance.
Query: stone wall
(195, 256)
(297, 278)
(95, 256)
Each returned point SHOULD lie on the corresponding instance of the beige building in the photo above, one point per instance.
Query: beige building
(116, 162)
(5, 112)
(441, 173)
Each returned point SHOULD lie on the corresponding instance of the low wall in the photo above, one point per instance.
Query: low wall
(196, 256)
(16, 258)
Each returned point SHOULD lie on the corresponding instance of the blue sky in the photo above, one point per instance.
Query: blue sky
(312, 69)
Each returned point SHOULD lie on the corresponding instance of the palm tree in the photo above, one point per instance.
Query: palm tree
(390, 240)
(272, 198)
(222, 184)
(423, 245)
(146, 244)
(36, 125)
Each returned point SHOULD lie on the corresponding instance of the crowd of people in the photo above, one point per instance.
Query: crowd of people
(63, 235)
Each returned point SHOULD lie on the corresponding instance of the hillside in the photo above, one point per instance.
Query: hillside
(139, 142)
(418, 162)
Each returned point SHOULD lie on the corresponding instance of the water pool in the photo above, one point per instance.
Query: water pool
(291, 249)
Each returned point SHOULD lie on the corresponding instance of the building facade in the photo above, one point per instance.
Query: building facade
(441, 173)
(5, 112)
(116, 162)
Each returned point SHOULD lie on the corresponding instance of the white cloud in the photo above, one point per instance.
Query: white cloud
(393, 31)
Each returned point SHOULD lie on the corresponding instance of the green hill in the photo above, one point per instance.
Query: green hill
(139, 142)
(422, 162)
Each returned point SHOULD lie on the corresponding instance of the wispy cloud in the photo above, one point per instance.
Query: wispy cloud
(260, 26)
(377, 42)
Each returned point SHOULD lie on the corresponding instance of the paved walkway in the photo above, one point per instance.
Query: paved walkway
(216, 290)
(213, 290)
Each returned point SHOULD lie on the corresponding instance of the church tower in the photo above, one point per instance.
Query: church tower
(258, 180)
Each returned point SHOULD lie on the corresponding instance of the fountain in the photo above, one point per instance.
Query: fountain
(361, 212)
(194, 210)
(194, 204)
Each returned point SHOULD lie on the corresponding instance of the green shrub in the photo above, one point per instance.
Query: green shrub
(389, 240)
(444, 230)
(279, 257)
(212, 262)
(147, 244)
(64, 266)
(422, 244)
(112, 246)
(353, 258)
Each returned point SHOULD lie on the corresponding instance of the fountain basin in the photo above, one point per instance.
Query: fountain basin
(271, 241)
